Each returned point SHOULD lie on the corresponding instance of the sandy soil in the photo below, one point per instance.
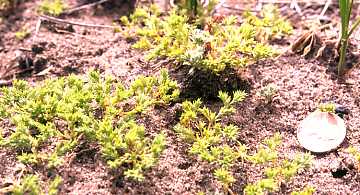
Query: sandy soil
(303, 83)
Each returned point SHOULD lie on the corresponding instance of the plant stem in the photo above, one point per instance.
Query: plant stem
(345, 12)
(343, 46)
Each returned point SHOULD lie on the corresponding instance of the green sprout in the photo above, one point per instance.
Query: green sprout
(327, 107)
(268, 92)
(52, 7)
(355, 153)
(306, 191)
(22, 34)
(198, 12)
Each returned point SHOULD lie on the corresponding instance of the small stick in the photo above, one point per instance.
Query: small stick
(58, 20)
(84, 6)
(24, 49)
(294, 5)
(328, 3)
(37, 27)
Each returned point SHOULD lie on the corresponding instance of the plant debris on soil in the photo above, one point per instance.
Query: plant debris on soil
(302, 82)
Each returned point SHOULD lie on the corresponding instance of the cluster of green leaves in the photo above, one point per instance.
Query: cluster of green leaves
(211, 140)
(327, 107)
(306, 191)
(267, 151)
(22, 34)
(277, 171)
(221, 43)
(196, 10)
(52, 118)
(271, 25)
(30, 184)
(356, 153)
(52, 7)
(268, 92)
(353, 151)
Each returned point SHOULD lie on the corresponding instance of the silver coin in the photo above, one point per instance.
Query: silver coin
(321, 132)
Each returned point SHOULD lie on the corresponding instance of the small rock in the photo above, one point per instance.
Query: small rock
(69, 28)
(341, 110)
(349, 163)
(40, 64)
(37, 49)
(339, 172)
(24, 61)
(99, 52)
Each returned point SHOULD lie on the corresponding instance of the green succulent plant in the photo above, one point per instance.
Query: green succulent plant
(61, 114)
(219, 44)
(52, 7)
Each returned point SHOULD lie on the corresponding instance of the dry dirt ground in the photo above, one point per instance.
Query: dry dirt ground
(303, 83)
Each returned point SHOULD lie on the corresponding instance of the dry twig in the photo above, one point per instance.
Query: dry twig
(75, 9)
(58, 20)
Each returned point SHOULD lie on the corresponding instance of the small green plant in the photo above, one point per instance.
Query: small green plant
(306, 191)
(52, 7)
(221, 43)
(271, 25)
(268, 92)
(279, 171)
(353, 151)
(346, 31)
(356, 153)
(211, 140)
(60, 114)
(31, 185)
(54, 185)
(267, 151)
(22, 34)
(198, 12)
(327, 107)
